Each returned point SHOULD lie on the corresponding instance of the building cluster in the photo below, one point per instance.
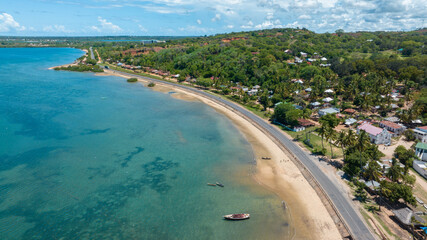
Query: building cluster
(303, 57)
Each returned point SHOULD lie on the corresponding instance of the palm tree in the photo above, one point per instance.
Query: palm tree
(373, 173)
(330, 135)
(350, 139)
(341, 141)
(322, 133)
(361, 144)
(395, 171)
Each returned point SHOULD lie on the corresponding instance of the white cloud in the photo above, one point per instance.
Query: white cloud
(142, 28)
(269, 24)
(320, 16)
(95, 28)
(195, 30)
(8, 23)
(216, 18)
(56, 28)
(304, 17)
(248, 25)
(229, 26)
(105, 26)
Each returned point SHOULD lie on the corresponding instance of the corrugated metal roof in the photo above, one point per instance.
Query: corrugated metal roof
(370, 129)
(421, 145)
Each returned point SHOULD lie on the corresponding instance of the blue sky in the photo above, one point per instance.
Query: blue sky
(203, 17)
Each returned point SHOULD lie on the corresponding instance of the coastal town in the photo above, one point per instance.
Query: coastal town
(389, 130)
(363, 125)
(179, 119)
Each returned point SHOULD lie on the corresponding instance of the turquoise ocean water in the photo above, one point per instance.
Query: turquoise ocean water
(91, 157)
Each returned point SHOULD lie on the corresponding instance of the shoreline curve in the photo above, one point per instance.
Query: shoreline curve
(310, 217)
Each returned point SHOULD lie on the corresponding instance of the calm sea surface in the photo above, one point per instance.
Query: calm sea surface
(90, 157)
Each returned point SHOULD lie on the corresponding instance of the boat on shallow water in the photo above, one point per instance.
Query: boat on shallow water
(212, 184)
(237, 216)
(219, 184)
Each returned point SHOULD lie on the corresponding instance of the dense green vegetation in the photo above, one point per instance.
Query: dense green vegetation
(365, 67)
(79, 42)
(81, 68)
(151, 84)
(132, 80)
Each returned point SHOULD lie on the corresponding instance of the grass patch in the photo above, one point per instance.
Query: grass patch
(360, 55)
(315, 141)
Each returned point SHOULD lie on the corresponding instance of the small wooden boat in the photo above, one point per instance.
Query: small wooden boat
(212, 184)
(220, 184)
(266, 158)
(237, 216)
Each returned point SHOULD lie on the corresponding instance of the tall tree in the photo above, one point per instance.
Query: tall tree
(330, 136)
(341, 141)
(361, 144)
(373, 172)
(322, 133)
(395, 172)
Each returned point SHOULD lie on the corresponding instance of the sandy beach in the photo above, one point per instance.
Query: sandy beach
(69, 64)
(310, 217)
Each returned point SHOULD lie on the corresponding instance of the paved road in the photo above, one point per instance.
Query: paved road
(91, 53)
(354, 221)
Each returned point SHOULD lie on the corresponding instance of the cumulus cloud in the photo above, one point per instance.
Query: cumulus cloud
(8, 23)
(248, 25)
(320, 16)
(142, 28)
(269, 24)
(194, 30)
(199, 21)
(216, 18)
(105, 26)
(56, 28)
(304, 16)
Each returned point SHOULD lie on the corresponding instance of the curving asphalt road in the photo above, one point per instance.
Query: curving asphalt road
(353, 220)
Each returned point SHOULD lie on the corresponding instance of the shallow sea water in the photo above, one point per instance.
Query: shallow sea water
(91, 157)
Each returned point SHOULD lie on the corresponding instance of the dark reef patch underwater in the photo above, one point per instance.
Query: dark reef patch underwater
(90, 157)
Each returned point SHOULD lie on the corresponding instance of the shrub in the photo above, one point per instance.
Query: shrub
(131, 80)
(151, 84)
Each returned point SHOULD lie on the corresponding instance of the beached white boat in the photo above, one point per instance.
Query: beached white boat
(237, 216)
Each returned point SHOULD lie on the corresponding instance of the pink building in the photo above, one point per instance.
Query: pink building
(376, 134)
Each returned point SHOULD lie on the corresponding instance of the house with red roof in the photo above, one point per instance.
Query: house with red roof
(395, 128)
(376, 134)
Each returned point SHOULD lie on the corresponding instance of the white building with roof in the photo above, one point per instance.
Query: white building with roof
(420, 133)
(420, 167)
(376, 134)
(327, 100)
(315, 104)
(325, 111)
(421, 151)
(350, 121)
